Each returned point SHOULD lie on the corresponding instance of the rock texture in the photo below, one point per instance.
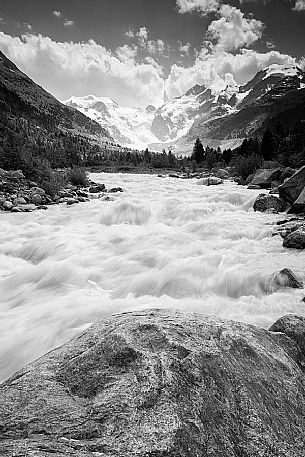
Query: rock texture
(263, 178)
(292, 187)
(286, 278)
(160, 383)
(268, 203)
(295, 239)
(294, 327)
(299, 205)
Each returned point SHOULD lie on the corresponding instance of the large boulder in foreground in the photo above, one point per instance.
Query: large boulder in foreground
(159, 383)
(264, 177)
(292, 187)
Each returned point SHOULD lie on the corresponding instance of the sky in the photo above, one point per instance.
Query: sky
(141, 52)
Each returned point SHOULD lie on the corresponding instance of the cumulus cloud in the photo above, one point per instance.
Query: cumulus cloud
(202, 6)
(56, 13)
(214, 70)
(67, 68)
(151, 46)
(299, 5)
(233, 30)
(68, 23)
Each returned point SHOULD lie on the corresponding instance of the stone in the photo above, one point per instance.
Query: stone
(83, 199)
(292, 187)
(72, 201)
(299, 205)
(211, 181)
(222, 174)
(36, 199)
(267, 202)
(286, 278)
(115, 189)
(82, 193)
(264, 177)
(160, 383)
(16, 209)
(286, 174)
(19, 201)
(15, 174)
(296, 239)
(253, 187)
(7, 205)
(65, 193)
(37, 191)
(97, 188)
(293, 326)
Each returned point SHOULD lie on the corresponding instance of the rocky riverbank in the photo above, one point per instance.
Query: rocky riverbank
(18, 194)
(162, 383)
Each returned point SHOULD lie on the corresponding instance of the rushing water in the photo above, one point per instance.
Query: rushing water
(163, 243)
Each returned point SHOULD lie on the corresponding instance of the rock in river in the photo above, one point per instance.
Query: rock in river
(268, 203)
(160, 383)
(296, 239)
(292, 187)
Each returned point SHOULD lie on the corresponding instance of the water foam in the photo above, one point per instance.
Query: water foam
(162, 243)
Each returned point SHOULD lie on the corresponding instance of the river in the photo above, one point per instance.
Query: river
(164, 242)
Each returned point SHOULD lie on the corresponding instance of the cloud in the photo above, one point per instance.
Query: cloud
(129, 34)
(142, 35)
(184, 48)
(202, 6)
(213, 69)
(299, 5)
(56, 13)
(126, 53)
(270, 44)
(150, 46)
(68, 23)
(154, 47)
(233, 30)
(67, 68)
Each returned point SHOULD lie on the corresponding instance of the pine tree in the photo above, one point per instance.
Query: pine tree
(267, 146)
(198, 152)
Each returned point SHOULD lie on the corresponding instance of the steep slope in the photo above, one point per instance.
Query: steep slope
(162, 383)
(128, 126)
(20, 97)
(277, 92)
(175, 118)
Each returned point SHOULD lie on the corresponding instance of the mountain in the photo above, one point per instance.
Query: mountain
(222, 118)
(128, 126)
(275, 94)
(26, 104)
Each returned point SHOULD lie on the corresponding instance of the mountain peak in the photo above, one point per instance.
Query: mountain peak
(282, 70)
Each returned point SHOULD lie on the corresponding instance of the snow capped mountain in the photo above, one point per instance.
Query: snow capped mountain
(275, 93)
(217, 118)
(128, 126)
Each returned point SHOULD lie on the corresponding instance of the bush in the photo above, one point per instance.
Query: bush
(78, 177)
(245, 166)
(53, 183)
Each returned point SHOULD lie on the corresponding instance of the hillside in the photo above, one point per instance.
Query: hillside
(20, 96)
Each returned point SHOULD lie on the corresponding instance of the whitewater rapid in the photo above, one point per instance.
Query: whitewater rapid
(164, 242)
